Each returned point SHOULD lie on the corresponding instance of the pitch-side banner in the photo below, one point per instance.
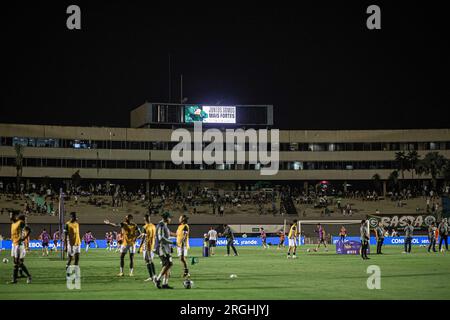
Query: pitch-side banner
(193, 242)
(398, 221)
(418, 240)
(349, 247)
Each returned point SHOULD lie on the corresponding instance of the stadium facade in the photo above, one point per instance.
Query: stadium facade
(143, 151)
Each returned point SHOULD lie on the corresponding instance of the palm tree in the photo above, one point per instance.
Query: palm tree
(377, 182)
(76, 178)
(19, 163)
(402, 161)
(432, 164)
(393, 178)
(446, 172)
(412, 159)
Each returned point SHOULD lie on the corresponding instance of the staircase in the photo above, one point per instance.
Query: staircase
(288, 205)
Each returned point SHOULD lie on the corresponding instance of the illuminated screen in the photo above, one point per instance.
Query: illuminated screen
(210, 114)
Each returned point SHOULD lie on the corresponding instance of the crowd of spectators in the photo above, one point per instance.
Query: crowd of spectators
(42, 198)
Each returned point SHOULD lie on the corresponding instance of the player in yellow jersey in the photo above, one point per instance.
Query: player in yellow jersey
(292, 238)
(19, 232)
(148, 243)
(130, 232)
(72, 240)
(183, 243)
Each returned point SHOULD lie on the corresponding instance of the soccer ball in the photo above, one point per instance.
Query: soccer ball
(233, 276)
(188, 284)
(308, 250)
(5, 260)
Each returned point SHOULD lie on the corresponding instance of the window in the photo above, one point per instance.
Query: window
(20, 141)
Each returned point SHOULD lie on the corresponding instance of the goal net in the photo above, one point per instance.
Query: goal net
(309, 230)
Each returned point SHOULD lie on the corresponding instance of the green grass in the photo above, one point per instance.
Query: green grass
(261, 274)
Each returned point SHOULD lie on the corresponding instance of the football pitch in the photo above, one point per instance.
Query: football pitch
(261, 274)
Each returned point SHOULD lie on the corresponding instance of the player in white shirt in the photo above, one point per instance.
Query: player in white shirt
(212, 239)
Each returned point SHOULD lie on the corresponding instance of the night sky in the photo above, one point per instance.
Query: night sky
(318, 65)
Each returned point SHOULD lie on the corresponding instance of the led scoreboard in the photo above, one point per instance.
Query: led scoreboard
(210, 114)
(159, 114)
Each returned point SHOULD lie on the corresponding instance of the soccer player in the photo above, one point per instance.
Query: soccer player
(228, 234)
(109, 241)
(93, 239)
(26, 242)
(212, 240)
(264, 238)
(431, 237)
(56, 236)
(45, 238)
(321, 236)
(72, 240)
(119, 240)
(19, 232)
(365, 236)
(281, 241)
(409, 229)
(148, 244)
(379, 234)
(292, 238)
(129, 232)
(183, 243)
(343, 233)
(443, 234)
(87, 240)
(164, 250)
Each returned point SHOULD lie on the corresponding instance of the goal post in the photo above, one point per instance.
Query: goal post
(324, 222)
(61, 209)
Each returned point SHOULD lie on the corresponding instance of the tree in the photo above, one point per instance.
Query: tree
(76, 179)
(412, 160)
(19, 163)
(446, 172)
(432, 164)
(377, 182)
(393, 179)
(402, 161)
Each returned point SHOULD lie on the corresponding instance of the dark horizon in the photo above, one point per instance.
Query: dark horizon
(319, 65)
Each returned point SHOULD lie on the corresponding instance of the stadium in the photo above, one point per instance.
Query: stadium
(217, 156)
(332, 178)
